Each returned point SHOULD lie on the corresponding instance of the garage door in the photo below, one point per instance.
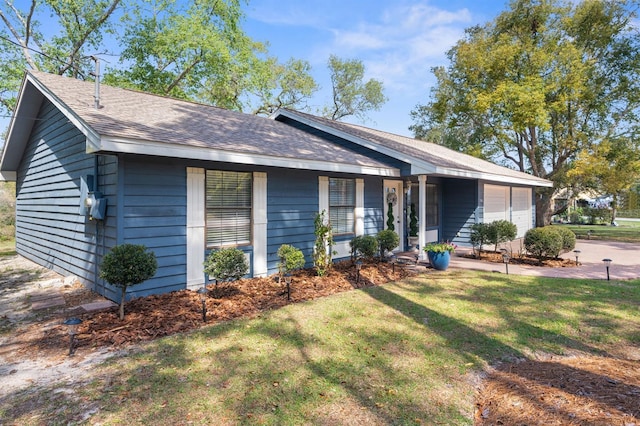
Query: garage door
(496, 203)
(521, 210)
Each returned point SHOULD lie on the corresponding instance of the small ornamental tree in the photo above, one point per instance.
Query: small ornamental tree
(127, 265)
(291, 258)
(227, 264)
(501, 231)
(479, 236)
(387, 240)
(323, 247)
(413, 221)
(365, 246)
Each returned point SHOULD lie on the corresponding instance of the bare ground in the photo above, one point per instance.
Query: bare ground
(576, 390)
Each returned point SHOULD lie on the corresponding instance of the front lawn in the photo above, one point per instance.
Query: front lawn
(626, 232)
(403, 353)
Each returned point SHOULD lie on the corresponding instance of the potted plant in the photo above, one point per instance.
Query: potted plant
(439, 254)
(413, 228)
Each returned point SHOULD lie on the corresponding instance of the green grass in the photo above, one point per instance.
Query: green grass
(7, 247)
(626, 232)
(403, 353)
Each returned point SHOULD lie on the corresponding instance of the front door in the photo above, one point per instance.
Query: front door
(393, 208)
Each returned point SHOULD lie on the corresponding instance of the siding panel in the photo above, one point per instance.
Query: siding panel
(459, 200)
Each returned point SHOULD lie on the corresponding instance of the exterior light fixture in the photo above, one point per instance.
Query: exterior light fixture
(505, 259)
(577, 252)
(287, 280)
(358, 268)
(203, 292)
(72, 329)
(607, 263)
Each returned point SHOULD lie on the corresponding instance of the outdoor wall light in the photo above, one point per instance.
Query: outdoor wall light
(577, 252)
(72, 329)
(287, 280)
(358, 268)
(203, 292)
(607, 263)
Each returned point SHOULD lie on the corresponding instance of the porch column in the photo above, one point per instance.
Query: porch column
(422, 214)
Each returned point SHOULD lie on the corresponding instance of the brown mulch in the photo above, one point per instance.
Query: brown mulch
(581, 390)
(523, 259)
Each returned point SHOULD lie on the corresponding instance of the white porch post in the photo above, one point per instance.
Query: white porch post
(422, 214)
(259, 224)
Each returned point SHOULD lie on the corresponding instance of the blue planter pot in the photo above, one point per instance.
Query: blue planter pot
(439, 261)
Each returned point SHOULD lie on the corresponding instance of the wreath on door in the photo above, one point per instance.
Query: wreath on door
(392, 198)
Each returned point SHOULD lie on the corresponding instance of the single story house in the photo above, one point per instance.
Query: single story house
(97, 166)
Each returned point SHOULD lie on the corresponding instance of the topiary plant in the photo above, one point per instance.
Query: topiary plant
(387, 241)
(291, 258)
(127, 265)
(413, 221)
(365, 246)
(227, 264)
(479, 236)
(501, 231)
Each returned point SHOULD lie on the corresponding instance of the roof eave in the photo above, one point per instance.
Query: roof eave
(145, 147)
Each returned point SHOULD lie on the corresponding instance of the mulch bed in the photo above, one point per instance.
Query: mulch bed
(523, 259)
(584, 390)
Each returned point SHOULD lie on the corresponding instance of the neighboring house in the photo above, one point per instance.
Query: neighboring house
(100, 166)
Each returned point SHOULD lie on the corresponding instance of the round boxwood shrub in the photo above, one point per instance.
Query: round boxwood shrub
(127, 265)
(365, 246)
(501, 231)
(543, 242)
(227, 264)
(568, 238)
(291, 258)
(387, 241)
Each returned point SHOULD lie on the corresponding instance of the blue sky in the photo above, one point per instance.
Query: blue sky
(397, 41)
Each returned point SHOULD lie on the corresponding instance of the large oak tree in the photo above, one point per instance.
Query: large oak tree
(532, 89)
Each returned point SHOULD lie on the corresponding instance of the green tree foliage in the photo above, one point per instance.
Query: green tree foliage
(611, 167)
(291, 258)
(127, 265)
(227, 264)
(387, 240)
(81, 26)
(323, 247)
(352, 96)
(188, 50)
(533, 88)
(501, 231)
(364, 246)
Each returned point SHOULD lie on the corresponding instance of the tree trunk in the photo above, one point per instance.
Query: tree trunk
(124, 292)
(614, 208)
(543, 208)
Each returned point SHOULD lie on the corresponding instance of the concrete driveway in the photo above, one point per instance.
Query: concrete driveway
(625, 262)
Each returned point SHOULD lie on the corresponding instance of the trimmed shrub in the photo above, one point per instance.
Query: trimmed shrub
(598, 215)
(365, 246)
(387, 241)
(291, 258)
(127, 265)
(543, 242)
(479, 236)
(568, 238)
(227, 264)
(501, 231)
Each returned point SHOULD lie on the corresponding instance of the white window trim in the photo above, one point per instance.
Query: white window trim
(342, 248)
(195, 226)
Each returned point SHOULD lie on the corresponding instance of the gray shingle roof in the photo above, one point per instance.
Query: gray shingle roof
(432, 153)
(134, 115)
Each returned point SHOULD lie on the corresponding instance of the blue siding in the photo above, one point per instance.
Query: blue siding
(459, 209)
(154, 209)
(292, 205)
(374, 220)
(50, 229)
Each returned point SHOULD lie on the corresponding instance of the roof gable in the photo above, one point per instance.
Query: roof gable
(135, 122)
(424, 157)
